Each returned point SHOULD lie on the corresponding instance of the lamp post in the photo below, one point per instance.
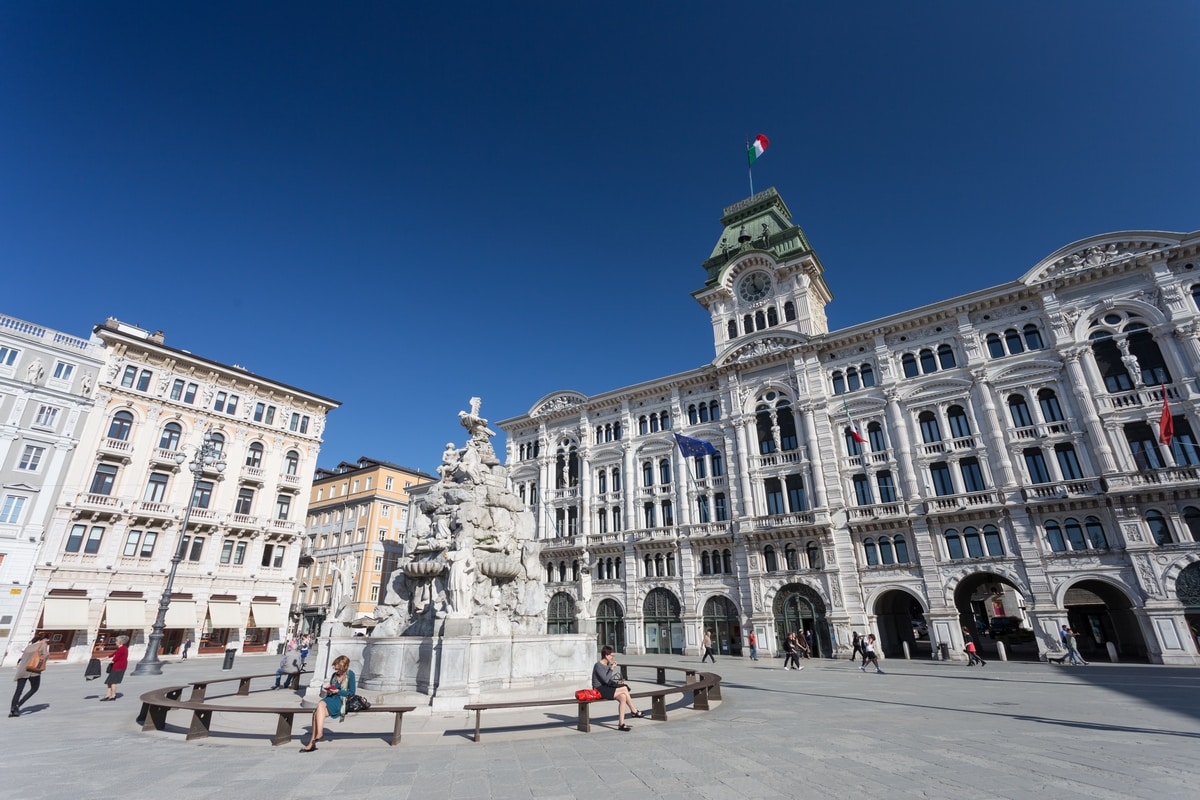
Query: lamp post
(206, 457)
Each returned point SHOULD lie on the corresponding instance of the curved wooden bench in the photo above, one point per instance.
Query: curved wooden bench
(156, 704)
(702, 685)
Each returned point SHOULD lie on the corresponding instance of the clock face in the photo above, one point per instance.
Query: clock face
(754, 287)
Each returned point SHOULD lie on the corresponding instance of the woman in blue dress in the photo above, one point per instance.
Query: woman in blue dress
(340, 686)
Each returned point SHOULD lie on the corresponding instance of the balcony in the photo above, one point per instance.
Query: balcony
(652, 534)
(244, 522)
(204, 518)
(779, 522)
(1040, 431)
(1146, 397)
(117, 447)
(779, 459)
(1169, 476)
(283, 527)
(256, 475)
(291, 482)
(1063, 490)
(562, 494)
(167, 457)
(144, 510)
(650, 492)
(868, 458)
(708, 529)
(963, 502)
(877, 511)
(96, 506)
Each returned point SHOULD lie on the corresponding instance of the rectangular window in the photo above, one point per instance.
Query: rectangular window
(702, 507)
(189, 394)
(378, 563)
(202, 495)
(797, 500)
(387, 484)
(972, 475)
(862, 490)
(219, 402)
(245, 501)
(283, 506)
(368, 486)
(239, 553)
(375, 593)
(386, 510)
(774, 490)
(129, 376)
(31, 458)
(132, 540)
(47, 416)
(294, 424)
(1068, 462)
(93, 541)
(259, 410)
(383, 534)
(104, 479)
(148, 544)
(75, 539)
(1035, 462)
(143, 384)
(649, 513)
(270, 418)
(942, 483)
(232, 406)
(177, 389)
(63, 371)
(278, 560)
(197, 548)
(887, 487)
(226, 551)
(304, 424)
(10, 512)
(156, 488)
(8, 356)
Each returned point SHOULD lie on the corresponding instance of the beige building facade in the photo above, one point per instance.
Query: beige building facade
(117, 522)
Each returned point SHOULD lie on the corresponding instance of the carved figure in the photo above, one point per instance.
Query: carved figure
(475, 424)
(35, 371)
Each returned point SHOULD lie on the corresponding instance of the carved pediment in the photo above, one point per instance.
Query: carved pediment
(556, 402)
(1100, 252)
(748, 351)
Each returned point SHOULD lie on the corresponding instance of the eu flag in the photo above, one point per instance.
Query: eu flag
(694, 447)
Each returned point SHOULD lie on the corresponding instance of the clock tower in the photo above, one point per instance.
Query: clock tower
(764, 282)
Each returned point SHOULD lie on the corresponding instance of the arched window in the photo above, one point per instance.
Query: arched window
(1095, 532)
(727, 561)
(658, 565)
(770, 564)
(171, 434)
(649, 565)
(643, 425)
(560, 614)
(731, 329)
(218, 442)
(1019, 411)
(254, 454)
(871, 552)
(853, 446)
(945, 356)
(616, 479)
(1013, 340)
(1048, 403)
(654, 426)
(292, 462)
(1158, 527)
(814, 556)
(772, 316)
(1149, 358)
(991, 538)
(1055, 537)
(973, 542)
(121, 426)
(760, 320)
(852, 379)
(602, 482)
(693, 417)
(930, 432)
(886, 554)
(647, 473)
(960, 426)
(549, 573)
(1033, 337)
(748, 324)
(1191, 518)
(562, 571)
(954, 547)
(714, 410)
(875, 437)
(1075, 534)
(908, 363)
(867, 374)
(703, 413)
(789, 311)
(928, 363)
(901, 549)
(839, 383)
(789, 557)
(664, 471)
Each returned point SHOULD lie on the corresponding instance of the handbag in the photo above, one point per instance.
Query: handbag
(587, 695)
(356, 703)
(109, 667)
(36, 662)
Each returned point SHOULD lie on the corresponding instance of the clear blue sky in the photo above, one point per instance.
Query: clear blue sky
(400, 205)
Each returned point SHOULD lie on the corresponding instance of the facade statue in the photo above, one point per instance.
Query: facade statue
(35, 371)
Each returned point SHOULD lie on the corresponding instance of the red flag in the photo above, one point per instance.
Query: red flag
(854, 432)
(1166, 424)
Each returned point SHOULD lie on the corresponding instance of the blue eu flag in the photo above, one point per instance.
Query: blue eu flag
(694, 447)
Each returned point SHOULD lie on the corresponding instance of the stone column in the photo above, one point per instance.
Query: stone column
(817, 470)
(902, 444)
(746, 508)
(1085, 386)
(994, 428)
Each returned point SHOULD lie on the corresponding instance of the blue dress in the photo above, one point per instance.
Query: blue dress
(333, 703)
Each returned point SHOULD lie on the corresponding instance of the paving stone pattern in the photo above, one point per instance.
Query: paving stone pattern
(923, 729)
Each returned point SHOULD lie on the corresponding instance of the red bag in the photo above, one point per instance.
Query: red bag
(587, 695)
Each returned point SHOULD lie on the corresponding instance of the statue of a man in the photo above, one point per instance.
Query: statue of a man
(35, 371)
(475, 424)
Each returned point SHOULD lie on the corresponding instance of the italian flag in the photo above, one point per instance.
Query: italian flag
(757, 148)
(853, 426)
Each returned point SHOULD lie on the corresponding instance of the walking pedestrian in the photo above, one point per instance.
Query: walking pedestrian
(116, 668)
(708, 648)
(1071, 642)
(187, 644)
(305, 644)
(972, 656)
(791, 652)
(753, 646)
(869, 654)
(807, 639)
(29, 670)
(856, 643)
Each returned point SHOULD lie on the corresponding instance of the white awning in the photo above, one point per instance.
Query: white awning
(181, 614)
(268, 615)
(225, 615)
(124, 614)
(65, 613)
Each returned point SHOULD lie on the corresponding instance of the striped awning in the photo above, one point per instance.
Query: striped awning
(123, 614)
(65, 613)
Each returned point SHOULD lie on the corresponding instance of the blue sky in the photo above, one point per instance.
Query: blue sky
(402, 205)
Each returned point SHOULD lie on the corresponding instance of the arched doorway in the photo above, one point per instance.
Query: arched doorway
(1187, 589)
(899, 618)
(662, 623)
(610, 626)
(721, 617)
(992, 609)
(1100, 613)
(799, 608)
(560, 614)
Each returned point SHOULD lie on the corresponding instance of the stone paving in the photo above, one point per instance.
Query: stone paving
(923, 729)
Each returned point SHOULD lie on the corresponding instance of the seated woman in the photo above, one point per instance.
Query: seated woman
(606, 680)
(331, 705)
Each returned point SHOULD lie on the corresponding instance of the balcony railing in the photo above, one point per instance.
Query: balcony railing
(121, 446)
(145, 508)
(1154, 477)
(89, 500)
(1058, 491)
(562, 494)
(777, 521)
(779, 459)
(708, 529)
(253, 474)
(877, 511)
(290, 481)
(244, 522)
(1148, 396)
(165, 455)
(960, 502)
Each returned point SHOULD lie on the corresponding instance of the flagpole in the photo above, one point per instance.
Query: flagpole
(750, 169)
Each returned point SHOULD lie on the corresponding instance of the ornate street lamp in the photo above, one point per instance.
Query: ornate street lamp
(207, 457)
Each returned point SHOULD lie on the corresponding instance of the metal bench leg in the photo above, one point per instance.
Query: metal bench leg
(714, 692)
(201, 721)
(396, 728)
(198, 692)
(585, 717)
(662, 676)
(658, 708)
(154, 718)
(700, 699)
(243, 687)
(283, 729)
(478, 711)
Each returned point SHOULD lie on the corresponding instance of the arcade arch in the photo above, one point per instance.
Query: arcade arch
(799, 608)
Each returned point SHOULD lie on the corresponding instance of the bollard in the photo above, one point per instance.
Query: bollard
(907, 654)
(1112, 652)
(1001, 653)
(229, 654)
(944, 649)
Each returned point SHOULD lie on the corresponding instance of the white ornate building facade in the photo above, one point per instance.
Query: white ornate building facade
(116, 524)
(46, 377)
(996, 462)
